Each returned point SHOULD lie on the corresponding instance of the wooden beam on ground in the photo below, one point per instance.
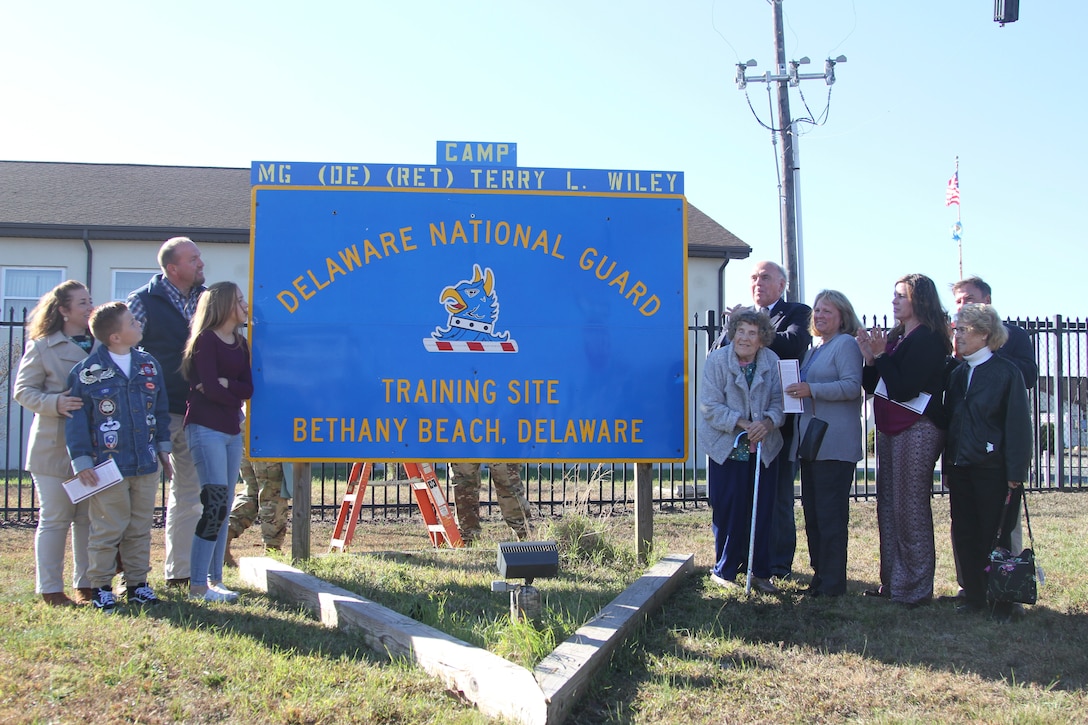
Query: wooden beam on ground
(644, 511)
(497, 687)
(565, 674)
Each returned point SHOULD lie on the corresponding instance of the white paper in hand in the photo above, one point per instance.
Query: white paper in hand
(918, 405)
(108, 475)
(791, 373)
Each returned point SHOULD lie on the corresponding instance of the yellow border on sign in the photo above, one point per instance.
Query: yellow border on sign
(520, 192)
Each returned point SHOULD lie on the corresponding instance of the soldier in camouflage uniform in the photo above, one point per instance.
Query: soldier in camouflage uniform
(261, 502)
(508, 490)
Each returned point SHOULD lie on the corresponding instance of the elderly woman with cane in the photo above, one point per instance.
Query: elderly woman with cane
(741, 410)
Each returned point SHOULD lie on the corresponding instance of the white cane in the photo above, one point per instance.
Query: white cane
(752, 536)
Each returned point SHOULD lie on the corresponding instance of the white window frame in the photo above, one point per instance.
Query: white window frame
(145, 273)
(18, 302)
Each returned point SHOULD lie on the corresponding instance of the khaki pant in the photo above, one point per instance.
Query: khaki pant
(121, 519)
(183, 508)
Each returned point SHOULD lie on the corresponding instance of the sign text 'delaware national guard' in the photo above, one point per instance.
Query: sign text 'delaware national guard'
(467, 311)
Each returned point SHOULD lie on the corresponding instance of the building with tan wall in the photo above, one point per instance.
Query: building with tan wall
(102, 224)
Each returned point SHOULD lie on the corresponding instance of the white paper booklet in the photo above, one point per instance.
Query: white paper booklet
(790, 371)
(108, 475)
(918, 405)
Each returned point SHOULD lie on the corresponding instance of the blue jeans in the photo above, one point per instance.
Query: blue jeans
(217, 457)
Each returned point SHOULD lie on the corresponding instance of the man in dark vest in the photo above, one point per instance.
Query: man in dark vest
(792, 338)
(164, 306)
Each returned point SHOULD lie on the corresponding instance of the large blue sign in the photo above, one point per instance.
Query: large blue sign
(466, 324)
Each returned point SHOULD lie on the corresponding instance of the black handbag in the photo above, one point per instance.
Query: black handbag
(809, 447)
(1012, 578)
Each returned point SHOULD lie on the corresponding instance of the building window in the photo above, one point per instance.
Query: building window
(126, 280)
(22, 287)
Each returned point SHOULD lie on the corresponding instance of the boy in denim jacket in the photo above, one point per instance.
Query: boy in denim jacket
(125, 417)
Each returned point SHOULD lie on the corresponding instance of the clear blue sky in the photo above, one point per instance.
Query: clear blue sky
(607, 84)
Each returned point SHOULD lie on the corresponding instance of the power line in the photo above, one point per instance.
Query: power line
(786, 76)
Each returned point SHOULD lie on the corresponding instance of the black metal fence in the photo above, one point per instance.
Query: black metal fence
(1059, 405)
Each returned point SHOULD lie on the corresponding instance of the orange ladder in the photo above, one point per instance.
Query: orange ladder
(441, 526)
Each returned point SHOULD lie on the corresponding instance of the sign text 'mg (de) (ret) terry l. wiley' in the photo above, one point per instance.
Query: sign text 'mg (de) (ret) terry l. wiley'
(485, 313)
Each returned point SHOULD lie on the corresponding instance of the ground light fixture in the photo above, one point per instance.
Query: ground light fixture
(528, 560)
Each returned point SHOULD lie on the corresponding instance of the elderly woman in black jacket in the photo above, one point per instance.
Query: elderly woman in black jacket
(987, 451)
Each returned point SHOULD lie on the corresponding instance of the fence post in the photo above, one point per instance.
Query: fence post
(1059, 400)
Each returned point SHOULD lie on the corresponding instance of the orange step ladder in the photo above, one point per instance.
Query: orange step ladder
(441, 526)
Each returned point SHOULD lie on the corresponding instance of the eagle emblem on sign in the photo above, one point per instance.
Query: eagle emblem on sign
(472, 309)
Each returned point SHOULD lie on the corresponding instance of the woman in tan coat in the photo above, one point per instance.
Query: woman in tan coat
(58, 339)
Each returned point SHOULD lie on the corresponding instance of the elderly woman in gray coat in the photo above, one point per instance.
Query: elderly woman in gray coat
(741, 393)
(831, 389)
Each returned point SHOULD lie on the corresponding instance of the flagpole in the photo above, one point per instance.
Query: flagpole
(959, 217)
(952, 196)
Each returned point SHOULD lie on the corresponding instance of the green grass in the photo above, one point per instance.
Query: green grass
(708, 656)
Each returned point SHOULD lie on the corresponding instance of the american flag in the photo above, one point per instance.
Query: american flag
(952, 193)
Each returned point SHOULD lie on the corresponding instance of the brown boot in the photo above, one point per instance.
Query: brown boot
(84, 595)
(57, 599)
(228, 558)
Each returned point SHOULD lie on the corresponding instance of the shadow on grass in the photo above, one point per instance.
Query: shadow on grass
(706, 628)
(276, 625)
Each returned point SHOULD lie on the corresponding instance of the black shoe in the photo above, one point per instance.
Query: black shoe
(880, 592)
(968, 608)
(104, 600)
(765, 585)
(141, 594)
(179, 582)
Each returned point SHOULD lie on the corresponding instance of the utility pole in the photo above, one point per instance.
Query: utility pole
(786, 76)
(787, 203)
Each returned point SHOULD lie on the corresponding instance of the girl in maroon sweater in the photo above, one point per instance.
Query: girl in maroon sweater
(216, 364)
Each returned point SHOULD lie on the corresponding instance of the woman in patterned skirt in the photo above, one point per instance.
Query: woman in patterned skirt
(905, 369)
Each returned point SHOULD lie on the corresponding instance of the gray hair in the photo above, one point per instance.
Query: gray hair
(984, 320)
(751, 316)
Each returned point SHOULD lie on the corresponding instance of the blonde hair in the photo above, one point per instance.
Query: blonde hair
(46, 317)
(213, 308)
(849, 323)
(984, 320)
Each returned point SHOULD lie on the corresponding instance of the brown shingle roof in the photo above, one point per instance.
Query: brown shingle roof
(39, 198)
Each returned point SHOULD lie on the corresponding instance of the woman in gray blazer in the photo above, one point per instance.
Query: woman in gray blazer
(831, 383)
(59, 338)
